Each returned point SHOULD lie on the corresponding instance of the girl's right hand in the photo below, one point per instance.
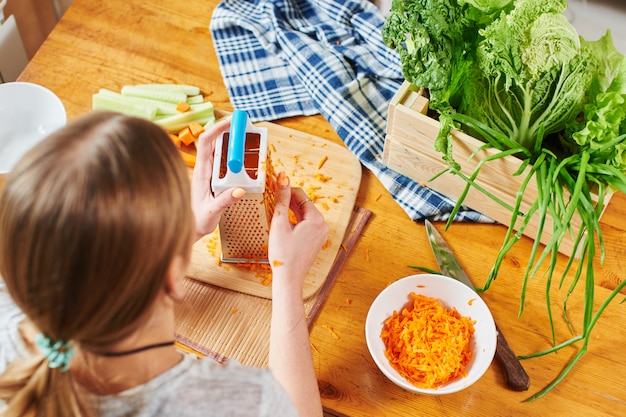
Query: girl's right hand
(293, 248)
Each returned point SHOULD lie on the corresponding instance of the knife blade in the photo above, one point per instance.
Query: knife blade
(515, 375)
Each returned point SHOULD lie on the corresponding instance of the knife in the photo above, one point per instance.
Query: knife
(516, 377)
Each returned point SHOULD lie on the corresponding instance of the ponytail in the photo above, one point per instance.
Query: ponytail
(30, 388)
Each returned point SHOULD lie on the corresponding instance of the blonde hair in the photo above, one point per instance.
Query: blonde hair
(90, 220)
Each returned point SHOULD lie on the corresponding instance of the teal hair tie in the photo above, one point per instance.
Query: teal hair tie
(59, 353)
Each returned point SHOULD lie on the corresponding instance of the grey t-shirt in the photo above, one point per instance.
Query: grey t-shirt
(194, 387)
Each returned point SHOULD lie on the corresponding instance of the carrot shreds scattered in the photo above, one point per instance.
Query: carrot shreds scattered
(325, 206)
(267, 279)
(367, 255)
(331, 331)
(326, 244)
(321, 177)
(471, 301)
(321, 163)
(426, 343)
(378, 197)
(344, 247)
(277, 262)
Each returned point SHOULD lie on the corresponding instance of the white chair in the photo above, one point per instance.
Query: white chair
(13, 58)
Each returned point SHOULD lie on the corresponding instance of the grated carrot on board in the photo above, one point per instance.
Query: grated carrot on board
(426, 343)
(322, 161)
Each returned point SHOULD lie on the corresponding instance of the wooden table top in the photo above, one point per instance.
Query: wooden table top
(118, 42)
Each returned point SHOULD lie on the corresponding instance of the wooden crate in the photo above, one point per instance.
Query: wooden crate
(409, 151)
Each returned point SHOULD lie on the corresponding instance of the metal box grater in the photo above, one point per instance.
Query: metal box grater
(242, 159)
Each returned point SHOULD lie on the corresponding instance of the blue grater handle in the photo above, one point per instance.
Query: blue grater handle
(237, 140)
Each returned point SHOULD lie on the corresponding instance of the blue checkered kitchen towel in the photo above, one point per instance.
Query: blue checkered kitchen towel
(283, 58)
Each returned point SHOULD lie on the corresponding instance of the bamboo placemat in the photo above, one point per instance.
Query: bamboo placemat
(224, 324)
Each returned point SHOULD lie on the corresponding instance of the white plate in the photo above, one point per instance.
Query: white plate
(452, 293)
(28, 113)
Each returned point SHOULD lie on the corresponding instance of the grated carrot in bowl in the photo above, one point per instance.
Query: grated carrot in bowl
(426, 343)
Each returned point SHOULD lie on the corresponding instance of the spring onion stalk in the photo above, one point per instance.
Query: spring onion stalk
(553, 174)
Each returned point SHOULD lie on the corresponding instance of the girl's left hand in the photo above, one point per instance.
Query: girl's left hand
(207, 207)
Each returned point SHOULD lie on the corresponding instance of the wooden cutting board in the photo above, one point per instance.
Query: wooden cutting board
(332, 184)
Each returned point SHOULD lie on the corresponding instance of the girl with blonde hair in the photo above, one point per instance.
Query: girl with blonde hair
(96, 228)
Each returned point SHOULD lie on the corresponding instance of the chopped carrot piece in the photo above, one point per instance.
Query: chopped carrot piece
(277, 262)
(176, 140)
(190, 159)
(426, 343)
(186, 137)
(183, 107)
(331, 331)
(196, 129)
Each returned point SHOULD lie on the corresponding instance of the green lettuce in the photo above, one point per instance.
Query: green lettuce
(601, 128)
(436, 41)
(532, 73)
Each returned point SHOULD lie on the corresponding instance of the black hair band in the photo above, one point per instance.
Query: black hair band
(136, 350)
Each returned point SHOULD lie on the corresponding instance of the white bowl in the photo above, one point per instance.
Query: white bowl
(28, 113)
(452, 293)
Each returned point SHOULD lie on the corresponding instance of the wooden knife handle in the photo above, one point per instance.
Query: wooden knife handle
(516, 377)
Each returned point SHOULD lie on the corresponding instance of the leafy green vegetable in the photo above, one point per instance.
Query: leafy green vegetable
(517, 75)
(533, 72)
(436, 40)
(604, 115)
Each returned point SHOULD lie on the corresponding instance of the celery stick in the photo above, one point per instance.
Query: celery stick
(154, 94)
(163, 107)
(200, 113)
(209, 122)
(188, 90)
(197, 99)
(103, 102)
